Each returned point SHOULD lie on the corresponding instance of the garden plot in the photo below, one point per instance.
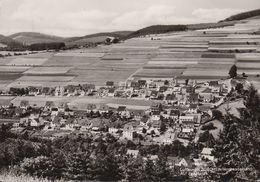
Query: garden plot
(13, 69)
(158, 73)
(48, 70)
(126, 64)
(171, 62)
(204, 72)
(24, 84)
(46, 78)
(70, 61)
(81, 54)
(9, 76)
(27, 61)
(252, 72)
(248, 65)
(100, 77)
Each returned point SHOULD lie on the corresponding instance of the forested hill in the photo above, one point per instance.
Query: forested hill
(245, 15)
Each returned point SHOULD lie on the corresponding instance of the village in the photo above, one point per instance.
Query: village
(177, 112)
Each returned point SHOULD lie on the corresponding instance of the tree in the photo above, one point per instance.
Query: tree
(239, 88)
(233, 71)
(216, 114)
(78, 166)
(148, 171)
(162, 171)
(163, 127)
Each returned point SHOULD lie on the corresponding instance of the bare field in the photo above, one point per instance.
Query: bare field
(13, 69)
(46, 78)
(48, 70)
(27, 61)
(70, 61)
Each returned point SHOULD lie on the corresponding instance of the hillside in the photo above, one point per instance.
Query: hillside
(9, 42)
(157, 29)
(245, 15)
(95, 38)
(29, 38)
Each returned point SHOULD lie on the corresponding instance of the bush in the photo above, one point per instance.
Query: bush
(209, 126)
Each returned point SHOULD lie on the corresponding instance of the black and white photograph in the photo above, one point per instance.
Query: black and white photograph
(129, 90)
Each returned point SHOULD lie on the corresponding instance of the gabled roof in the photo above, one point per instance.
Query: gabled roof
(133, 153)
(175, 112)
(193, 106)
(24, 103)
(121, 108)
(49, 104)
(213, 83)
(206, 151)
(163, 89)
(109, 83)
(111, 90)
(156, 113)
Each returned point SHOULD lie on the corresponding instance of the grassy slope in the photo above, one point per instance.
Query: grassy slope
(245, 15)
(9, 41)
(29, 38)
(96, 38)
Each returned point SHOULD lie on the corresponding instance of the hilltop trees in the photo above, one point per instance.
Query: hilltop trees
(238, 145)
(233, 71)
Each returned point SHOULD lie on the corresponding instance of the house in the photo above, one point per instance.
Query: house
(103, 108)
(128, 132)
(213, 84)
(110, 84)
(142, 83)
(177, 89)
(33, 91)
(193, 98)
(174, 114)
(123, 111)
(132, 153)
(187, 120)
(163, 89)
(188, 89)
(193, 108)
(54, 111)
(154, 94)
(111, 92)
(135, 85)
(91, 107)
(155, 115)
(207, 154)
(49, 105)
(206, 95)
(59, 91)
(24, 104)
(177, 161)
(156, 124)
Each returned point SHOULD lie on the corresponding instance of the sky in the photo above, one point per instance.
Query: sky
(81, 17)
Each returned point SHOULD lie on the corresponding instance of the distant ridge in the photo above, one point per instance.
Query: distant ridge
(245, 15)
(9, 42)
(29, 38)
(96, 38)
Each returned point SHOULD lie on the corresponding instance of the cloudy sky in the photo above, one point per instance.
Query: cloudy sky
(81, 17)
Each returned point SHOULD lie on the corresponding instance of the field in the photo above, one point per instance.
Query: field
(202, 55)
(27, 61)
(48, 70)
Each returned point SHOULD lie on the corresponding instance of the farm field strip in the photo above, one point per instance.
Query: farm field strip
(48, 70)
(27, 61)
(85, 54)
(46, 78)
(13, 69)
